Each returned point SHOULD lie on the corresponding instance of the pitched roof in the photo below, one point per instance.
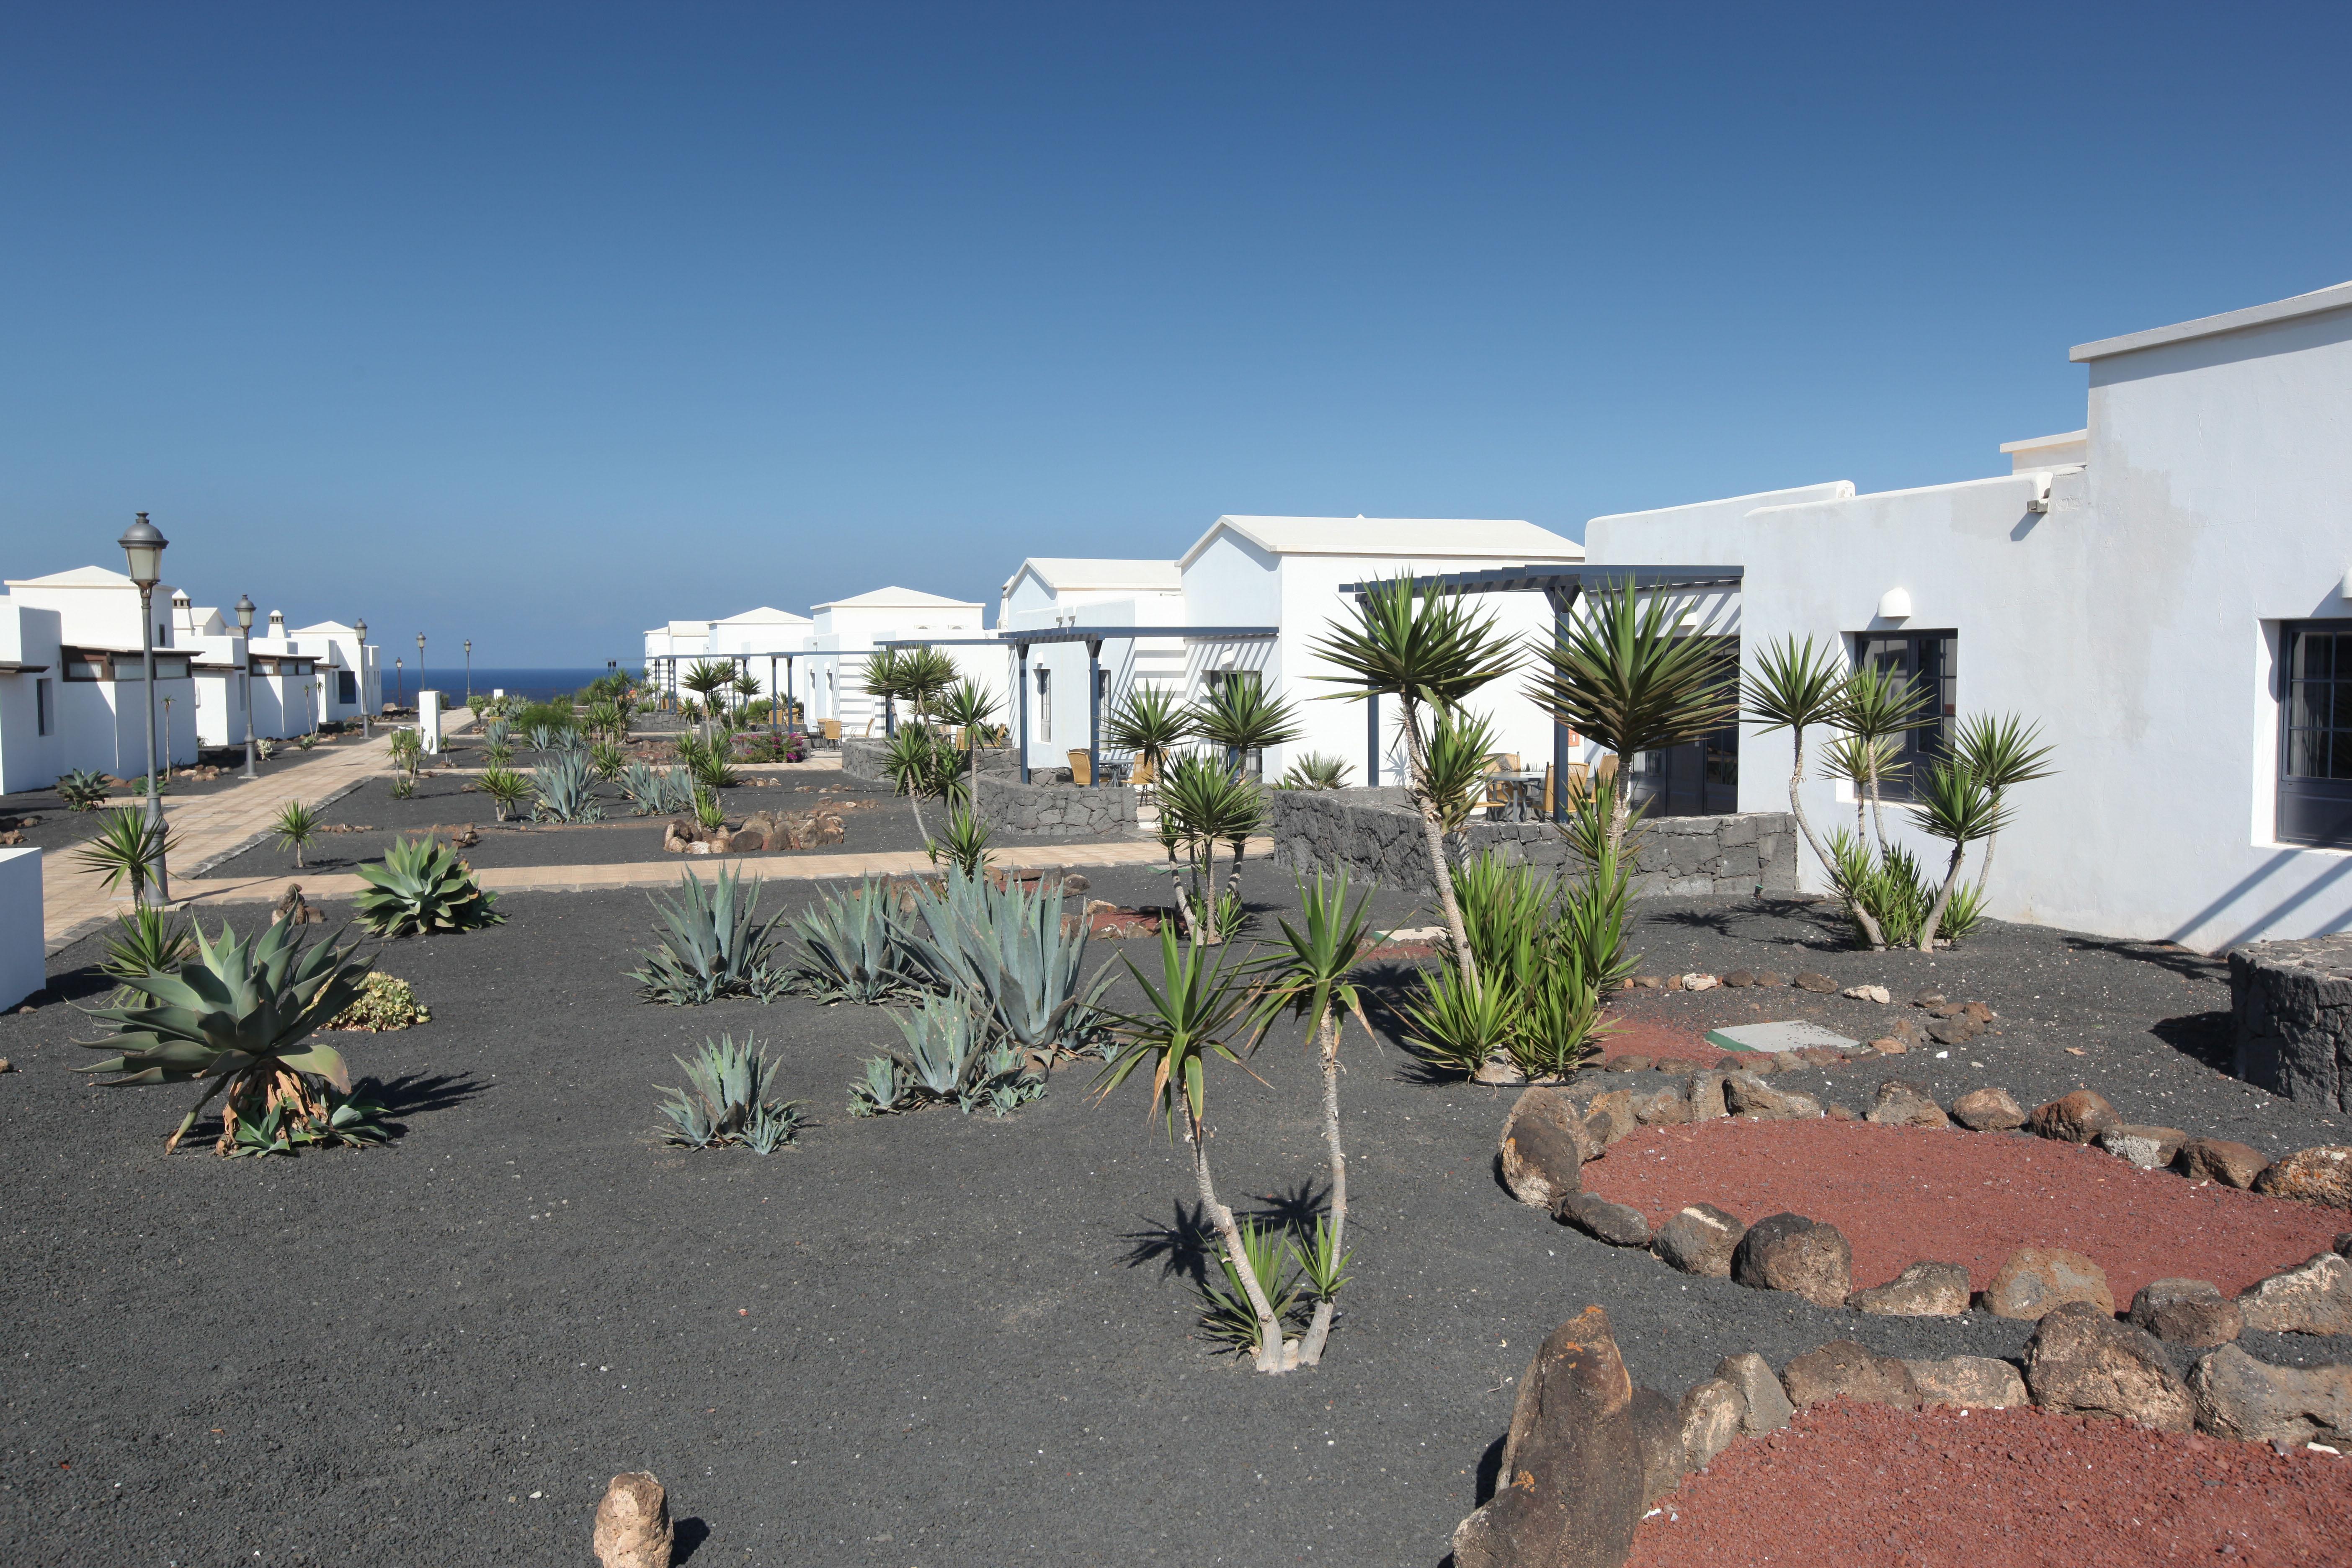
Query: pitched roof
(1093, 572)
(765, 616)
(896, 599)
(79, 577)
(1425, 538)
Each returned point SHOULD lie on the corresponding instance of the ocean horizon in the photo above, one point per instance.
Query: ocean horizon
(531, 685)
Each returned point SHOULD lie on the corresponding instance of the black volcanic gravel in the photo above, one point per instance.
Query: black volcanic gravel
(916, 1341)
(60, 826)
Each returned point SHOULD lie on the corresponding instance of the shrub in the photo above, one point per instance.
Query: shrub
(709, 810)
(554, 718)
(385, 1003)
(1004, 947)
(853, 947)
(240, 1015)
(964, 845)
(1459, 1024)
(404, 787)
(716, 946)
(605, 760)
(305, 742)
(1316, 770)
(567, 790)
(84, 789)
(506, 788)
(730, 1098)
(146, 940)
(421, 887)
(265, 747)
(1230, 1319)
(497, 754)
(711, 765)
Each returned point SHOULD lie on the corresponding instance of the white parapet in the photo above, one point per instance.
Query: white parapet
(428, 721)
(22, 968)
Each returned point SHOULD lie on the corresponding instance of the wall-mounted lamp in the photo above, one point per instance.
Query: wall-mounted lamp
(2040, 499)
(1895, 604)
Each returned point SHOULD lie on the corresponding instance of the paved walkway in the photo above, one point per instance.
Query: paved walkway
(210, 827)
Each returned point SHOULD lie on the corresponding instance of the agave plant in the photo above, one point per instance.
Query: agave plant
(883, 1089)
(421, 887)
(567, 790)
(1005, 947)
(240, 1015)
(951, 1058)
(84, 789)
(657, 792)
(716, 945)
(730, 1098)
(853, 947)
(132, 847)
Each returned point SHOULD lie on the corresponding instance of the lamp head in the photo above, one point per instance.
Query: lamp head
(142, 546)
(245, 612)
(360, 626)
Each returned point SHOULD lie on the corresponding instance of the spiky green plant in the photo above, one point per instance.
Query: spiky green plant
(883, 1089)
(1316, 770)
(1796, 687)
(403, 788)
(147, 941)
(239, 1015)
(1230, 1314)
(605, 760)
(969, 707)
(132, 847)
(651, 790)
(954, 1057)
(1462, 1024)
(1147, 721)
(2001, 752)
(497, 754)
(924, 675)
(1311, 975)
(566, 787)
(853, 947)
(506, 789)
(297, 825)
(922, 764)
(1877, 708)
(706, 679)
(716, 945)
(731, 1099)
(964, 845)
(1625, 673)
(84, 789)
(1239, 717)
(1961, 808)
(1455, 757)
(883, 679)
(422, 887)
(1425, 649)
(1192, 1008)
(1203, 804)
(713, 766)
(1005, 947)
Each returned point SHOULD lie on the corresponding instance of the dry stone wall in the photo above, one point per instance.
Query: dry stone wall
(2291, 1017)
(863, 757)
(1375, 833)
(1013, 810)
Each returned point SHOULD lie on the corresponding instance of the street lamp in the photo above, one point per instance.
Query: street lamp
(399, 685)
(469, 673)
(142, 546)
(361, 627)
(420, 676)
(245, 624)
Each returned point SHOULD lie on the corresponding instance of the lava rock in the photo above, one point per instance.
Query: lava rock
(2081, 1362)
(2035, 1281)
(1700, 1240)
(1922, 1291)
(1889, 1045)
(1804, 1256)
(1844, 1370)
(1711, 1414)
(1968, 1383)
(1571, 1489)
(1658, 1429)
(2314, 1298)
(1739, 980)
(2148, 1147)
(1813, 981)
(1630, 1062)
(1662, 1108)
(1988, 1110)
(2220, 1160)
(1902, 1104)
(1957, 1030)
(2315, 1175)
(1699, 981)
(2187, 1312)
(1868, 993)
(2253, 1401)
(1608, 1118)
(1748, 1095)
(633, 1528)
(1765, 977)
(1763, 1404)
(1706, 1096)
(1599, 1218)
(1837, 1113)
(2076, 1117)
(1544, 1148)
(1928, 999)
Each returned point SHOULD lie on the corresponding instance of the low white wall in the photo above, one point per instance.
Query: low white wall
(22, 968)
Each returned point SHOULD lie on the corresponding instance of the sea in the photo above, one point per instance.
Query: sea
(452, 681)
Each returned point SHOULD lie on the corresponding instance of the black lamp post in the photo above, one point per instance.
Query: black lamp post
(142, 546)
(361, 627)
(245, 624)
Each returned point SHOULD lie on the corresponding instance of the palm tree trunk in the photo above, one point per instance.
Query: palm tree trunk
(1862, 917)
(1310, 1345)
(1943, 899)
(1270, 1352)
(1984, 871)
(915, 799)
(1434, 832)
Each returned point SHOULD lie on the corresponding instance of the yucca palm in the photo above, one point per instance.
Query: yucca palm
(296, 825)
(132, 847)
(969, 707)
(2002, 753)
(1625, 674)
(924, 673)
(1309, 976)
(1796, 687)
(1878, 709)
(706, 678)
(1427, 649)
(1961, 808)
(923, 765)
(1147, 721)
(1457, 748)
(1196, 1003)
(1239, 718)
(1202, 805)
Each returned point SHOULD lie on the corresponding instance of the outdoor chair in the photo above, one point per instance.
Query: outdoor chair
(1081, 768)
(832, 728)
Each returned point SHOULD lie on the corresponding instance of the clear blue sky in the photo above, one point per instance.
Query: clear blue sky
(539, 325)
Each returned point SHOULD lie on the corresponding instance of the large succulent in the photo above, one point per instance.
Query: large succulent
(566, 783)
(730, 1098)
(716, 945)
(1008, 948)
(853, 947)
(421, 887)
(239, 1015)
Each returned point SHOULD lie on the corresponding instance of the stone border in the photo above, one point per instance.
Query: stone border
(1549, 1136)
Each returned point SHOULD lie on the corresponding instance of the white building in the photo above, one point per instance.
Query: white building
(1047, 594)
(32, 744)
(763, 643)
(846, 631)
(2165, 591)
(99, 720)
(349, 682)
(671, 648)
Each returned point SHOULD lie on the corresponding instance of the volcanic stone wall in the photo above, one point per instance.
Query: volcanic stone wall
(2291, 1017)
(862, 757)
(1374, 833)
(1053, 811)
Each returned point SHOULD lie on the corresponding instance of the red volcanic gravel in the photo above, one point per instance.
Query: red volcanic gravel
(1648, 1037)
(1864, 1486)
(1902, 1194)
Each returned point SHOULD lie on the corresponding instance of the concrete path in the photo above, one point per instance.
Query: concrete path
(211, 827)
(665, 873)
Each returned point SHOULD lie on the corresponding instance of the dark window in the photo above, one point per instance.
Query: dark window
(41, 706)
(347, 687)
(2314, 797)
(1700, 778)
(1931, 662)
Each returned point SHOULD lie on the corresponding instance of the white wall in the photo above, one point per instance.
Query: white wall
(23, 968)
(2137, 620)
(29, 759)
